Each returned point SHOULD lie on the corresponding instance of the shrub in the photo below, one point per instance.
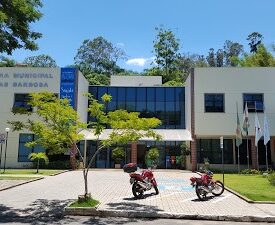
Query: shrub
(250, 171)
(271, 178)
(118, 154)
(206, 163)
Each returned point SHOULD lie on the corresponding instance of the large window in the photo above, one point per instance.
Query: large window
(165, 103)
(210, 149)
(214, 102)
(255, 102)
(23, 151)
(21, 101)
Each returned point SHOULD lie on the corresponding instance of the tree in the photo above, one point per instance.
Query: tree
(126, 127)
(219, 58)
(98, 55)
(40, 61)
(166, 48)
(262, 58)
(7, 62)
(97, 79)
(211, 58)
(38, 157)
(232, 51)
(255, 39)
(15, 19)
(188, 61)
(57, 126)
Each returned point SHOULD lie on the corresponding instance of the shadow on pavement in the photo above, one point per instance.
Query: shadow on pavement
(112, 220)
(206, 199)
(135, 199)
(133, 207)
(39, 212)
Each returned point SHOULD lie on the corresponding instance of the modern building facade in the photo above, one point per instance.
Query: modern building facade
(199, 113)
(15, 85)
(213, 95)
(154, 100)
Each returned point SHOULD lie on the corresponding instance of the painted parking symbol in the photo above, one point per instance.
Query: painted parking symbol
(174, 184)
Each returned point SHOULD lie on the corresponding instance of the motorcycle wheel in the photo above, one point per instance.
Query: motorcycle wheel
(157, 190)
(137, 190)
(200, 193)
(219, 188)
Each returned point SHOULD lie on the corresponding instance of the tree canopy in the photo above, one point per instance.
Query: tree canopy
(15, 19)
(40, 61)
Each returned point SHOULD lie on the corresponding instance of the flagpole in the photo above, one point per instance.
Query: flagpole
(266, 160)
(238, 159)
(247, 150)
(238, 147)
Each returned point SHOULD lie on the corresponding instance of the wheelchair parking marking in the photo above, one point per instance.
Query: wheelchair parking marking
(175, 188)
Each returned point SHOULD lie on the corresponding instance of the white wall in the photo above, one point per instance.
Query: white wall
(136, 81)
(233, 82)
(188, 103)
(14, 77)
(82, 101)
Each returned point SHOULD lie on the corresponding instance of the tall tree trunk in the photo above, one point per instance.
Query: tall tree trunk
(37, 166)
(86, 183)
(72, 156)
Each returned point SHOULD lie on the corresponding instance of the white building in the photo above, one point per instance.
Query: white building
(211, 112)
(16, 83)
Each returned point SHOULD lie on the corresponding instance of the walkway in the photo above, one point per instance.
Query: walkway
(44, 200)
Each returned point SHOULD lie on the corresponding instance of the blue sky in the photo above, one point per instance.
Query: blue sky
(130, 24)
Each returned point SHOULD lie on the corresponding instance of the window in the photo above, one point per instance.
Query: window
(210, 149)
(23, 151)
(255, 102)
(21, 101)
(214, 102)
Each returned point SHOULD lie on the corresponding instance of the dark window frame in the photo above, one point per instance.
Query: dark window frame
(25, 104)
(251, 109)
(223, 101)
(32, 149)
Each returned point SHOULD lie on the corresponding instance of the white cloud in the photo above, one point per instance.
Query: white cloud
(120, 44)
(140, 61)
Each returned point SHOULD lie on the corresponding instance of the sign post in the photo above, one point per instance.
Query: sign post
(2, 141)
(221, 146)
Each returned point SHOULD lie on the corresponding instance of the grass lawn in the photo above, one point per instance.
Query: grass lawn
(254, 187)
(16, 178)
(31, 171)
(88, 203)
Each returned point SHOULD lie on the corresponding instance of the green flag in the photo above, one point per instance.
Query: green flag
(238, 131)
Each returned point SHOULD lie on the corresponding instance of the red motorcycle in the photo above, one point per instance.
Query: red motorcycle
(140, 182)
(206, 184)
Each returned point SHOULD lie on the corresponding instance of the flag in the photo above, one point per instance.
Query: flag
(266, 130)
(238, 131)
(258, 130)
(245, 120)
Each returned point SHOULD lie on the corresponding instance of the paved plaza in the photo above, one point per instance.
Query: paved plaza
(45, 199)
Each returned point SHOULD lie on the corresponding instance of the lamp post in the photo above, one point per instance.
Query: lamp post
(7, 131)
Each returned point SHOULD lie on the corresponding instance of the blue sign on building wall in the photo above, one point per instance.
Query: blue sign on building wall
(68, 84)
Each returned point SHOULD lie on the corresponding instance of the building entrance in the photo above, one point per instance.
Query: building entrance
(141, 152)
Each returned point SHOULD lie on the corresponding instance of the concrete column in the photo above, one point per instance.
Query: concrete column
(194, 154)
(253, 154)
(134, 152)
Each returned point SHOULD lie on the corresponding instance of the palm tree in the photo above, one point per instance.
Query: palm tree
(37, 157)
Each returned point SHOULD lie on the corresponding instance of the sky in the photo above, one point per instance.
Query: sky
(130, 25)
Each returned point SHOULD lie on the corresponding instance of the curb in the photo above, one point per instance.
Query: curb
(29, 181)
(55, 174)
(82, 211)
